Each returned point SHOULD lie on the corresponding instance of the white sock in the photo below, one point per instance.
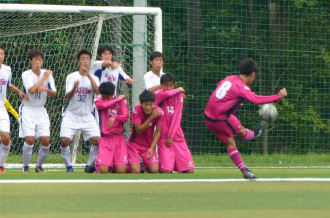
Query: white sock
(4, 150)
(65, 152)
(27, 154)
(92, 155)
(42, 154)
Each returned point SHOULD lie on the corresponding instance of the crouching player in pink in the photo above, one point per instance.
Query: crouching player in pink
(172, 147)
(220, 111)
(113, 113)
(143, 138)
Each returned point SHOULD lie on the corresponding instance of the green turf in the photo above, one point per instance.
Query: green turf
(239, 199)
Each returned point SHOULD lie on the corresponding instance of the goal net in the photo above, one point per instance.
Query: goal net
(61, 32)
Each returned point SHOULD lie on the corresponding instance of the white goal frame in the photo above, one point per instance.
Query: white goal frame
(139, 19)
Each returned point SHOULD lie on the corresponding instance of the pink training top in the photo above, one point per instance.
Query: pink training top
(113, 108)
(139, 117)
(172, 103)
(229, 95)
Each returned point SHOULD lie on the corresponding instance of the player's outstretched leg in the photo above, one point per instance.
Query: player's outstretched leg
(259, 129)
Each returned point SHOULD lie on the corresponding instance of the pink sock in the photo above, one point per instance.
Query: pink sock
(249, 135)
(236, 158)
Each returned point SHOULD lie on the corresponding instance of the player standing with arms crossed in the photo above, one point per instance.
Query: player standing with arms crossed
(80, 88)
(5, 83)
(34, 121)
(143, 139)
(113, 113)
(172, 147)
(220, 111)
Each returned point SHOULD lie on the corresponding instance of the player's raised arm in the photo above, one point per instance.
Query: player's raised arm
(283, 93)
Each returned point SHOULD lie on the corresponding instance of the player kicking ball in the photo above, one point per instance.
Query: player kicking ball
(143, 138)
(172, 147)
(34, 121)
(113, 113)
(5, 83)
(220, 111)
(80, 88)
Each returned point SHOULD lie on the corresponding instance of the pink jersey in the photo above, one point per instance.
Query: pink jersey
(138, 117)
(229, 95)
(172, 103)
(114, 108)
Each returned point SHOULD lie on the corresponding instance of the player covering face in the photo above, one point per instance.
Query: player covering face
(173, 151)
(113, 112)
(220, 111)
(143, 138)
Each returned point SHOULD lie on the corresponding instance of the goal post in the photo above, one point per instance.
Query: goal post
(60, 31)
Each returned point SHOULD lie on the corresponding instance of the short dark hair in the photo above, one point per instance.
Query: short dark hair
(84, 51)
(156, 54)
(2, 47)
(104, 48)
(248, 66)
(35, 53)
(107, 88)
(147, 96)
(167, 77)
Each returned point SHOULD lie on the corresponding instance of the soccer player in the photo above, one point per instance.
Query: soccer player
(220, 111)
(113, 113)
(172, 147)
(80, 88)
(151, 79)
(38, 83)
(108, 70)
(143, 138)
(5, 83)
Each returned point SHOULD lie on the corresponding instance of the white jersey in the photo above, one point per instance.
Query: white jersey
(108, 74)
(150, 80)
(37, 99)
(5, 82)
(82, 101)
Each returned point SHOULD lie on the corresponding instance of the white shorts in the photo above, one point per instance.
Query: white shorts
(34, 121)
(72, 123)
(4, 120)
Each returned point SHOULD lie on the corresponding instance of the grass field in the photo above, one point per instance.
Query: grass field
(167, 199)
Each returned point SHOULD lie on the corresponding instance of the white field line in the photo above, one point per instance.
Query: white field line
(166, 180)
(18, 166)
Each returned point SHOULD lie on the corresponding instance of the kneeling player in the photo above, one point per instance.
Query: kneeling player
(172, 147)
(143, 139)
(113, 113)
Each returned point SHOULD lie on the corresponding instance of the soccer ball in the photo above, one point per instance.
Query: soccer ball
(268, 112)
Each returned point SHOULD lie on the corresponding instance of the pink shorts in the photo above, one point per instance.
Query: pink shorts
(112, 151)
(177, 156)
(224, 129)
(135, 152)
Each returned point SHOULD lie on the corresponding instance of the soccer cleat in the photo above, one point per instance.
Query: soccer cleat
(25, 169)
(39, 169)
(143, 168)
(90, 169)
(69, 169)
(248, 175)
(259, 129)
(2, 170)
